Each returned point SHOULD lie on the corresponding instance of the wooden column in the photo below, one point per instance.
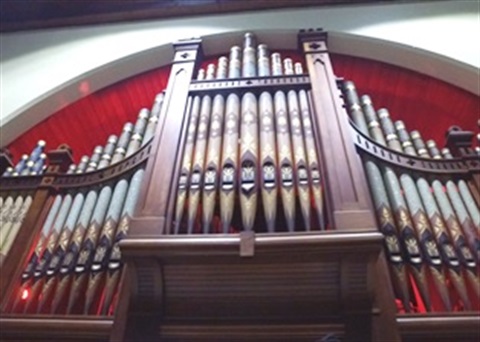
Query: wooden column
(156, 202)
(349, 203)
(141, 306)
(342, 170)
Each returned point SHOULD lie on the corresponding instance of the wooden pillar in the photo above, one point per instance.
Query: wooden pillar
(342, 169)
(141, 310)
(350, 207)
(155, 207)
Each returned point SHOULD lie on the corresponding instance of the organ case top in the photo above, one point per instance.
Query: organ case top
(253, 218)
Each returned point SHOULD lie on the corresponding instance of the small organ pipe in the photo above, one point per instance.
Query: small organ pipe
(298, 68)
(222, 68)
(263, 60)
(108, 151)
(371, 119)
(268, 160)
(299, 157)
(248, 159)
(404, 137)
(210, 72)
(288, 66)
(277, 69)
(17, 170)
(312, 157)
(39, 165)
(198, 161)
(122, 143)
(249, 61)
(388, 128)
(82, 166)
(285, 159)
(419, 145)
(228, 182)
(433, 149)
(95, 159)
(201, 74)
(138, 132)
(235, 62)
(153, 119)
(212, 161)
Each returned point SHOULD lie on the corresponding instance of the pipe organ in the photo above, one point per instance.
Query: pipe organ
(260, 198)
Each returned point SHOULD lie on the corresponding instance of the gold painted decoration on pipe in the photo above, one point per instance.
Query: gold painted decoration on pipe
(285, 159)
(228, 181)
(248, 160)
(268, 160)
(198, 162)
(299, 157)
(212, 163)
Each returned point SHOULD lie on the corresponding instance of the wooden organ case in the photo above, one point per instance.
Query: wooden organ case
(245, 194)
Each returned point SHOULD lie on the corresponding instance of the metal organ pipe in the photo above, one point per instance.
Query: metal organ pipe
(253, 156)
(78, 244)
(439, 235)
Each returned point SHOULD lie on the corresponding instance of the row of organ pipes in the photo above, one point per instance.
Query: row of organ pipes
(76, 265)
(430, 223)
(252, 61)
(13, 205)
(250, 159)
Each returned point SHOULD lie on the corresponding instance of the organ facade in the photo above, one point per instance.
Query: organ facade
(259, 198)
